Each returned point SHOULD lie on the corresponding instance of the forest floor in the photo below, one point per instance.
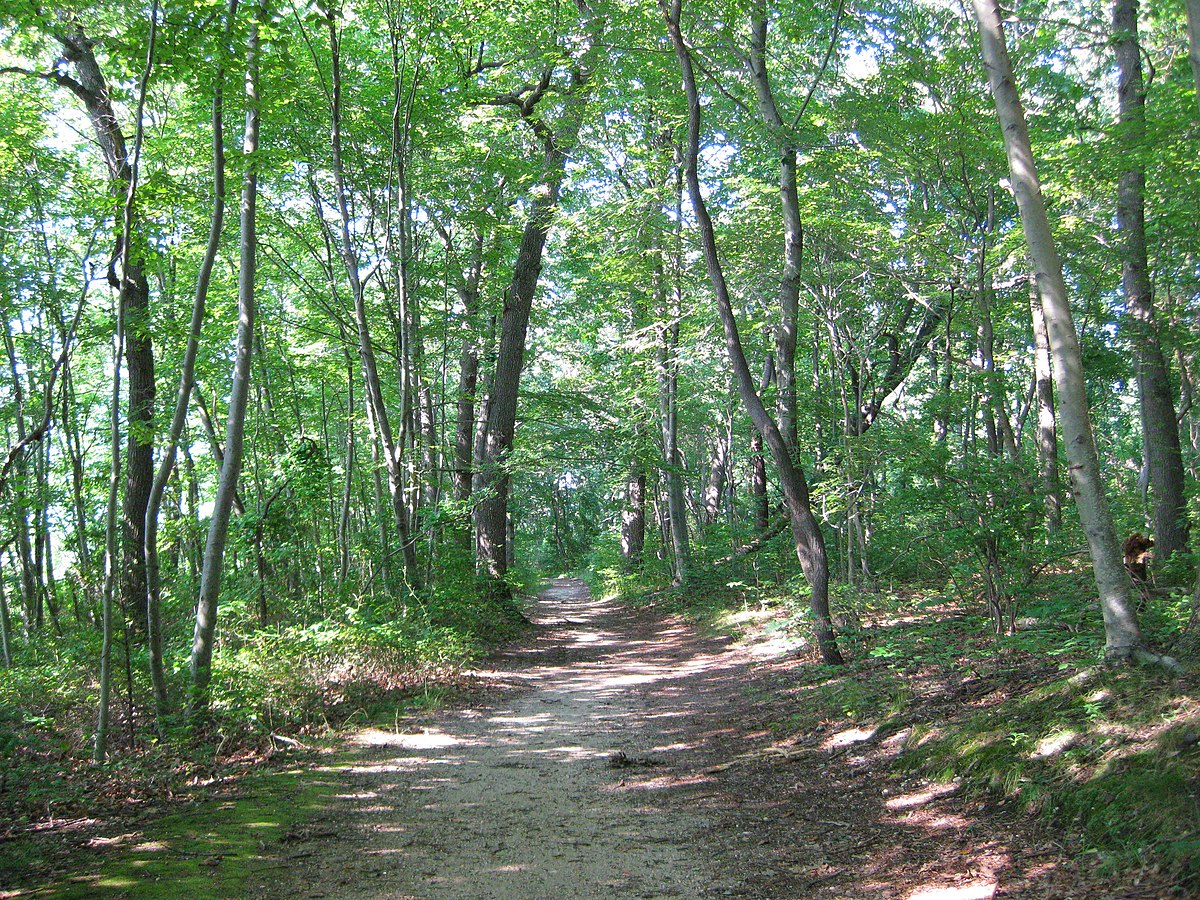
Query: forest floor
(616, 752)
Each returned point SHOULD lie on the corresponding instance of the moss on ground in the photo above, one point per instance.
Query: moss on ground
(215, 848)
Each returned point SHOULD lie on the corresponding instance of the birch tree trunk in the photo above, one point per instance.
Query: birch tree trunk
(1123, 638)
(218, 531)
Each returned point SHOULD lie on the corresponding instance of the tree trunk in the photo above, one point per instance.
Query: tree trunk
(392, 452)
(186, 381)
(633, 522)
(1160, 429)
(5, 631)
(491, 512)
(218, 531)
(30, 589)
(676, 509)
(714, 490)
(463, 466)
(1193, 29)
(1047, 433)
(343, 531)
(793, 230)
(669, 305)
(810, 546)
(74, 447)
(108, 595)
(134, 291)
(1123, 638)
(557, 141)
(758, 484)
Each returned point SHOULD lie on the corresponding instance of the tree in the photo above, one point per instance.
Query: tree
(1123, 637)
(556, 138)
(810, 546)
(127, 275)
(1160, 429)
(231, 466)
(186, 383)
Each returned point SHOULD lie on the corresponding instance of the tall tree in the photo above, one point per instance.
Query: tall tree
(392, 450)
(1123, 637)
(231, 467)
(127, 275)
(186, 381)
(1160, 429)
(806, 533)
(557, 138)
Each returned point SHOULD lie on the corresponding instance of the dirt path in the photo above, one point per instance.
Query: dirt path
(622, 756)
(530, 797)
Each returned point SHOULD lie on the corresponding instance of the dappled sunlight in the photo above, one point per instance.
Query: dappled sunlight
(976, 890)
(848, 737)
(667, 748)
(662, 782)
(920, 798)
(113, 840)
(423, 740)
(1053, 744)
(606, 758)
(568, 754)
(932, 820)
(572, 736)
(150, 847)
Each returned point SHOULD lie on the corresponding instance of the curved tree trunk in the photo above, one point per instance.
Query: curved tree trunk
(793, 230)
(231, 467)
(810, 545)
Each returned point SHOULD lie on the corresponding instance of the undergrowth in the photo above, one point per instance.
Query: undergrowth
(276, 688)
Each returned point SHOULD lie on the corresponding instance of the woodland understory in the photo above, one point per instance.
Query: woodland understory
(331, 328)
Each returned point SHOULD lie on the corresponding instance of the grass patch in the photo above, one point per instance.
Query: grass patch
(223, 846)
(274, 688)
(1111, 755)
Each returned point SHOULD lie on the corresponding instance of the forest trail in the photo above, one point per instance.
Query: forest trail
(622, 755)
(531, 797)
